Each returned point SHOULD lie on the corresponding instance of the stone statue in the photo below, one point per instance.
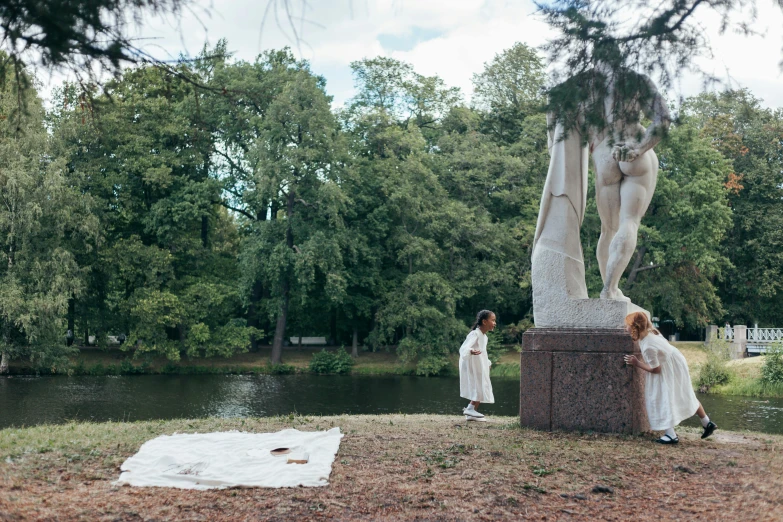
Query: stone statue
(626, 172)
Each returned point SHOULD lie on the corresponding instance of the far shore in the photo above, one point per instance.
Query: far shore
(114, 361)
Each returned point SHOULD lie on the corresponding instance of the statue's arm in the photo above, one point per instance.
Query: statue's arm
(655, 108)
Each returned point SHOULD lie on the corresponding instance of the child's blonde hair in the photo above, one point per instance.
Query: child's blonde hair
(640, 325)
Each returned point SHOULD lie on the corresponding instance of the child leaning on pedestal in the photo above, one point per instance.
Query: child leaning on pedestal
(668, 393)
(474, 366)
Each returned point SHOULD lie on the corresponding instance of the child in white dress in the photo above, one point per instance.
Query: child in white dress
(474, 364)
(668, 393)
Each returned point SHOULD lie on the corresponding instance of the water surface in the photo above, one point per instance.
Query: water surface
(26, 401)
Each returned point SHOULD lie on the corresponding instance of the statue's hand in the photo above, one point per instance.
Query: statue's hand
(623, 152)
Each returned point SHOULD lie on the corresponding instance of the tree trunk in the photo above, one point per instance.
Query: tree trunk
(277, 344)
(333, 329)
(182, 339)
(638, 267)
(355, 344)
(255, 297)
(4, 364)
(71, 321)
(204, 231)
(252, 313)
(636, 264)
(282, 317)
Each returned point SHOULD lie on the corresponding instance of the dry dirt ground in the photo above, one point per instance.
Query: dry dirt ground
(408, 467)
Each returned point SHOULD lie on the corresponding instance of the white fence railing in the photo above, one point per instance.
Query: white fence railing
(769, 335)
(752, 341)
(727, 333)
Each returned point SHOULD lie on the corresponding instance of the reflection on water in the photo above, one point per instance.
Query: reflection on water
(26, 401)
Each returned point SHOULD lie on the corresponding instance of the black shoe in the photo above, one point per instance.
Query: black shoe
(668, 440)
(708, 429)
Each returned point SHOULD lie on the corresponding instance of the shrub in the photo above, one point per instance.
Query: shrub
(505, 370)
(772, 370)
(431, 365)
(128, 368)
(281, 369)
(495, 349)
(170, 369)
(79, 368)
(324, 362)
(512, 333)
(714, 372)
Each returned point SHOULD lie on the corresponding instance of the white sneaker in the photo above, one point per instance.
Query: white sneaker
(472, 413)
(475, 419)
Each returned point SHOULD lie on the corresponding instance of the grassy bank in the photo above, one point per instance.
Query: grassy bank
(745, 379)
(93, 361)
(407, 467)
(745, 373)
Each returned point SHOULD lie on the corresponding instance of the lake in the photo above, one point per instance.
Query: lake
(27, 401)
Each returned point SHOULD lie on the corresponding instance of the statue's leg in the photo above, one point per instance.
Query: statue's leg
(636, 192)
(607, 198)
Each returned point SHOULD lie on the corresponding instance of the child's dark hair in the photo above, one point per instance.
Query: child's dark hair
(481, 317)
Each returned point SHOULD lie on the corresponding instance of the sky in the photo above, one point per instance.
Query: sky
(449, 38)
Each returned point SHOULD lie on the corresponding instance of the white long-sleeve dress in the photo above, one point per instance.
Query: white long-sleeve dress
(474, 382)
(668, 395)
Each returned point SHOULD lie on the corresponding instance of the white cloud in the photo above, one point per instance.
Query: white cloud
(750, 61)
(462, 51)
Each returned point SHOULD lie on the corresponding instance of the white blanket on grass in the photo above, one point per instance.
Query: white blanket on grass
(230, 459)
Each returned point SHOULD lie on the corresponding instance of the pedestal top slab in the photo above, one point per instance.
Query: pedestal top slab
(603, 340)
(583, 313)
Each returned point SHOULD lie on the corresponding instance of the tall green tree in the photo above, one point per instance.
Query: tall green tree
(290, 170)
(751, 138)
(450, 206)
(392, 88)
(508, 90)
(400, 215)
(41, 213)
(166, 273)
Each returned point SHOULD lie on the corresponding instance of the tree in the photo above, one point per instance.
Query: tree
(446, 210)
(509, 89)
(291, 171)
(514, 78)
(166, 274)
(85, 37)
(666, 39)
(417, 302)
(39, 214)
(393, 88)
(751, 138)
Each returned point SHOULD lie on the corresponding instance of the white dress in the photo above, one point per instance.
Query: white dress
(668, 395)
(474, 382)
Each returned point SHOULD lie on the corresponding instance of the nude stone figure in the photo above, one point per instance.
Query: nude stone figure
(626, 173)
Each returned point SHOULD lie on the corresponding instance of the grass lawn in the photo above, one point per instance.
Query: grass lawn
(694, 353)
(408, 467)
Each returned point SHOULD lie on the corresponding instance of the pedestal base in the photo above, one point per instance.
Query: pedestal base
(574, 379)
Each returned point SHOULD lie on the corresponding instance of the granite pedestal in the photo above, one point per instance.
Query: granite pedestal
(574, 379)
